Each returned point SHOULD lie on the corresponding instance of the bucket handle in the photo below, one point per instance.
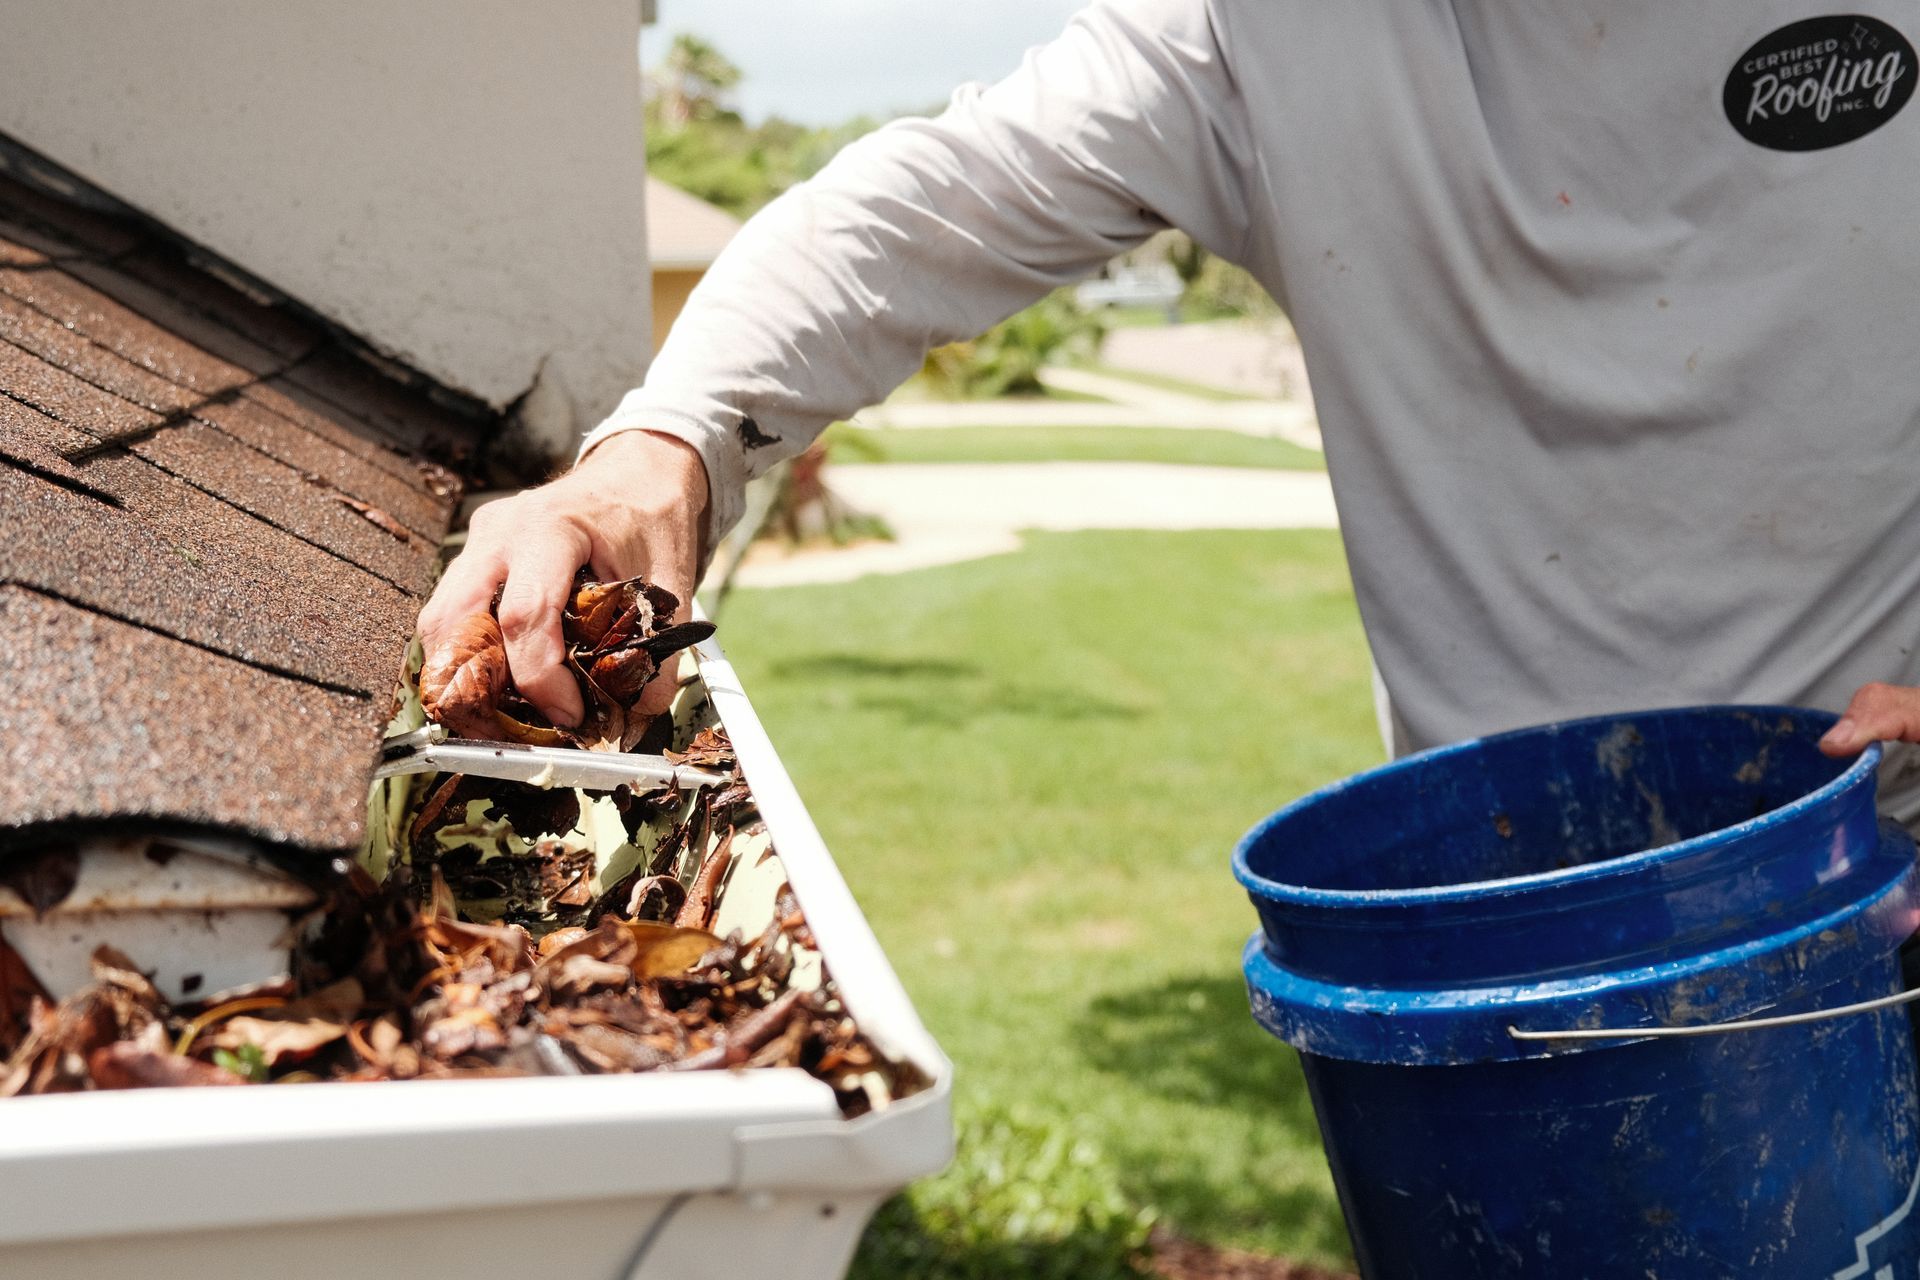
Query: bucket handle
(1719, 1028)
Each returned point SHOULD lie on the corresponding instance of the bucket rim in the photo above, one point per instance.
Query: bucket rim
(1279, 892)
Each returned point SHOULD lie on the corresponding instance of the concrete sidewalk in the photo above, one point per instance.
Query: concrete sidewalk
(943, 513)
(1282, 419)
(1252, 357)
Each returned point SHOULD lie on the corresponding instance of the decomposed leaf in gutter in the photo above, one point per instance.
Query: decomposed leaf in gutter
(19, 991)
(131, 1065)
(462, 680)
(709, 749)
(697, 910)
(665, 950)
(295, 1031)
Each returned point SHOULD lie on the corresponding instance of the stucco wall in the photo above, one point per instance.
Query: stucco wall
(460, 182)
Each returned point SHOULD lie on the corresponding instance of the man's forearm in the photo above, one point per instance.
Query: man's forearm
(929, 231)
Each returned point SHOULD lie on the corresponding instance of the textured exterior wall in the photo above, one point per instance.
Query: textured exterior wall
(460, 182)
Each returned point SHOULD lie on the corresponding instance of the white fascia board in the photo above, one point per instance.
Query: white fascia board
(78, 1169)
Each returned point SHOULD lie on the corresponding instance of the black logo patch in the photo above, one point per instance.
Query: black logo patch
(1820, 82)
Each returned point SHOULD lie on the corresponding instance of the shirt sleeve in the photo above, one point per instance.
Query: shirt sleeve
(929, 231)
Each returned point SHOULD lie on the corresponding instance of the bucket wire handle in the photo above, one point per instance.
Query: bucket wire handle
(1720, 1028)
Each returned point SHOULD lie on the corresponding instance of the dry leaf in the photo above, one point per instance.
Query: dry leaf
(128, 1066)
(375, 516)
(665, 950)
(462, 680)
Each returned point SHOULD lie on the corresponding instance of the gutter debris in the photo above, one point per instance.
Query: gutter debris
(495, 928)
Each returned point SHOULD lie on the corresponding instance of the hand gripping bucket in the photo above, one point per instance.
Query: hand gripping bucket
(1431, 932)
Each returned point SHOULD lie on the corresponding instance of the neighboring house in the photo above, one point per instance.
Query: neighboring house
(684, 235)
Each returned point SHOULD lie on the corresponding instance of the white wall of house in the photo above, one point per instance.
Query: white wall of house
(459, 182)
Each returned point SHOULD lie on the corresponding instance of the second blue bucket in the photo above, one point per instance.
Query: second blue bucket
(1674, 868)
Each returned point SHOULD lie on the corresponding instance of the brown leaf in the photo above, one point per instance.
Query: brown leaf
(745, 1037)
(440, 482)
(129, 1066)
(577, 974)
(594, 608)
(608, 1048)
(560, 938)
(710, 749)
(665, 950)
(297, 1030)
(462, 680)
(54, 1056)
(623, 673)
(435, 805)
(277, 1038)
(18, 990)
(114, 971)
(697, 911)
(42, 877)
(375, 516)
(669, 893)
(506, 728)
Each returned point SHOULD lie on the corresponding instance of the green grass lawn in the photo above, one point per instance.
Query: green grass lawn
(1196, 447)
(1031, 769)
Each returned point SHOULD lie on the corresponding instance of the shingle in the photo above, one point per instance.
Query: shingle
(107, 724)
(55, 343)
(57, 393)
(177, 561)
(211, 337)
(385, 480)
(122, 330)
(31, 439)
(312, 510)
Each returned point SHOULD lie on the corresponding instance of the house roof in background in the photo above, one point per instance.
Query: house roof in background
(684, 232)
(217, 525)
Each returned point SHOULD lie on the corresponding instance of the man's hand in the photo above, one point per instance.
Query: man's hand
(1878, 713)
(633, 507)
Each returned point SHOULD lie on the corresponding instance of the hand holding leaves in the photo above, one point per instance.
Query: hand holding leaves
(616, 634)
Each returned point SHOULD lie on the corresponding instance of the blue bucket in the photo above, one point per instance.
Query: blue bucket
(1673, 868)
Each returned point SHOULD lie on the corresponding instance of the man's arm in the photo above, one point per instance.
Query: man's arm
(925, 232)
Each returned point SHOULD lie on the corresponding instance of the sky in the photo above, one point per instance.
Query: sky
(824, 61)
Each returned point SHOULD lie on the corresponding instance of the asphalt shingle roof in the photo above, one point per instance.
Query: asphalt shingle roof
(217, 524)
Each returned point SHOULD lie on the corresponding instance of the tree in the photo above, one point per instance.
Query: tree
(1187, 257)
(694, 80)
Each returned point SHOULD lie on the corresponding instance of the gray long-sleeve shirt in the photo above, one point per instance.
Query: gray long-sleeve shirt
(1621, 398)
